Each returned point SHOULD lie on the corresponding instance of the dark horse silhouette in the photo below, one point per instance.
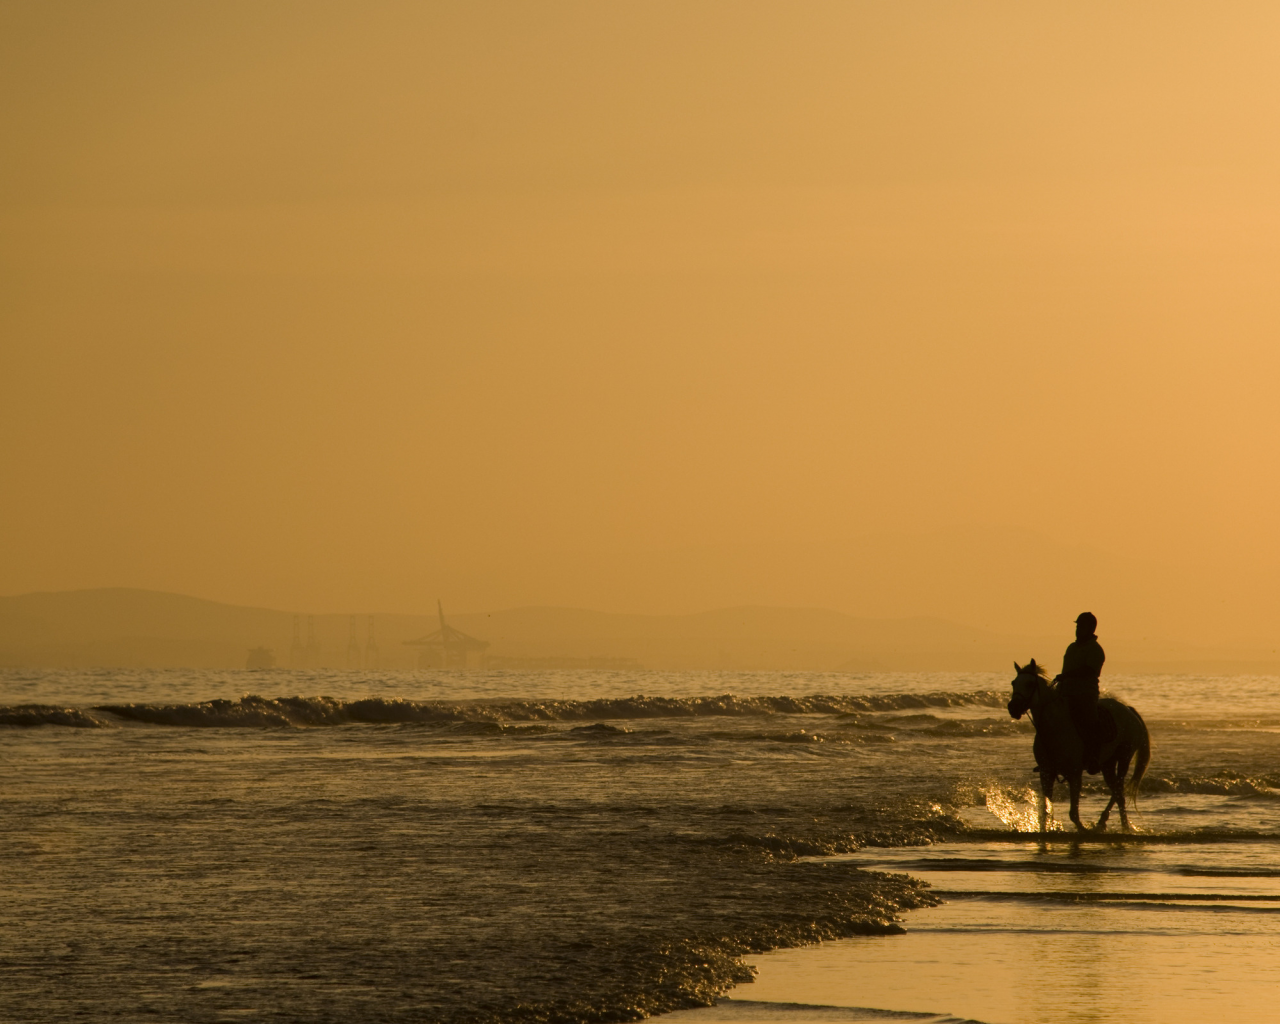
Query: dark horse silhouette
(1059, 752)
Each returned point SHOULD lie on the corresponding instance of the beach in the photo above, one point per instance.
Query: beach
(583, 846)
(1143, 932)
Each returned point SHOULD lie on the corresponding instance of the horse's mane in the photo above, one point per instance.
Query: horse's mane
(1038, 669)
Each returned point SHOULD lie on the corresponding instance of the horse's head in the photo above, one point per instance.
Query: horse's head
(1025, 684)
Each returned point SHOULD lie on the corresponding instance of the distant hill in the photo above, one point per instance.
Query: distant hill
(119, 627)
(140, 628)
(135, 628)
(742, 638)
(146, 629)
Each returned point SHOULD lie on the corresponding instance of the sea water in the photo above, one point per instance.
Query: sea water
(582, 846)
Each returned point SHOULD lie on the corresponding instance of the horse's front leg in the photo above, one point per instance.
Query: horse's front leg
(1046, 794)
(1073, 783)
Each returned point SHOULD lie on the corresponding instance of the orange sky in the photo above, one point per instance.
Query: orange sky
(350, 306)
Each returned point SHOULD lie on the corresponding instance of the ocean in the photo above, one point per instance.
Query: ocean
(579, 846)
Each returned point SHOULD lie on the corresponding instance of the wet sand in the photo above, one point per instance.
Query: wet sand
(737, 1011)
(1098, 932)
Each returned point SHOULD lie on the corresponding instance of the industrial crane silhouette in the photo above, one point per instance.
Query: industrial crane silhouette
(447, 647)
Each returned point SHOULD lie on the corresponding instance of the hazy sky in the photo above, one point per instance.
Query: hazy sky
(350, 306)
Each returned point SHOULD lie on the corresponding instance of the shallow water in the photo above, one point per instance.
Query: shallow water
(1140, 932)
(510, 846)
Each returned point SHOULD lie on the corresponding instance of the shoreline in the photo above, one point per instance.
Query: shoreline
(1019, 942)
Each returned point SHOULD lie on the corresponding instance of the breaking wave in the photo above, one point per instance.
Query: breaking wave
(302, 712)
(1224, 783)
(27, 715)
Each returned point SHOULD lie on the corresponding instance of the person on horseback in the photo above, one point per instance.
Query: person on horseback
(1078, 684)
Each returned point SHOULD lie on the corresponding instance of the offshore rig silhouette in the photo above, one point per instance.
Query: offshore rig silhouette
(310, 654)
(448, 647)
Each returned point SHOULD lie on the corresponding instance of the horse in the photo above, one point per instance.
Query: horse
(1059, 752)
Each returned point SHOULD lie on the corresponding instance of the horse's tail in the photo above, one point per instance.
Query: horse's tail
(1144, 758)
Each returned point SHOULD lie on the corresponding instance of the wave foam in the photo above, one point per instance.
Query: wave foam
(259, 712)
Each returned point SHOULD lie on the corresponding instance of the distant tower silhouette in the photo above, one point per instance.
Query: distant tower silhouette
(448, 647)
(353, 645)
(370, 648)
(313, 645)
(296, 654)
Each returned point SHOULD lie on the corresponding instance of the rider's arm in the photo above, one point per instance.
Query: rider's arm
(1070, 660)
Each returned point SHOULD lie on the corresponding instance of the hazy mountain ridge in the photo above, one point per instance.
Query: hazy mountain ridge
(121, 627)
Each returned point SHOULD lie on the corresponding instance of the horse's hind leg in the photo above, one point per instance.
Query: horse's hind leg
(1117, 788)
(1073, 783)
(1122, 769)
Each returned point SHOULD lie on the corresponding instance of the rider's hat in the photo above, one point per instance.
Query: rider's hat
(1087, 619)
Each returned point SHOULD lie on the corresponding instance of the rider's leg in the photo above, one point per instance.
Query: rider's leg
(1083, 705)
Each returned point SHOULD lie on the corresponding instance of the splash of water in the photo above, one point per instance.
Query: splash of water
(1019, 809)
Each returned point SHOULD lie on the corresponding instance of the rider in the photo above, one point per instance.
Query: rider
(1078, 683)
